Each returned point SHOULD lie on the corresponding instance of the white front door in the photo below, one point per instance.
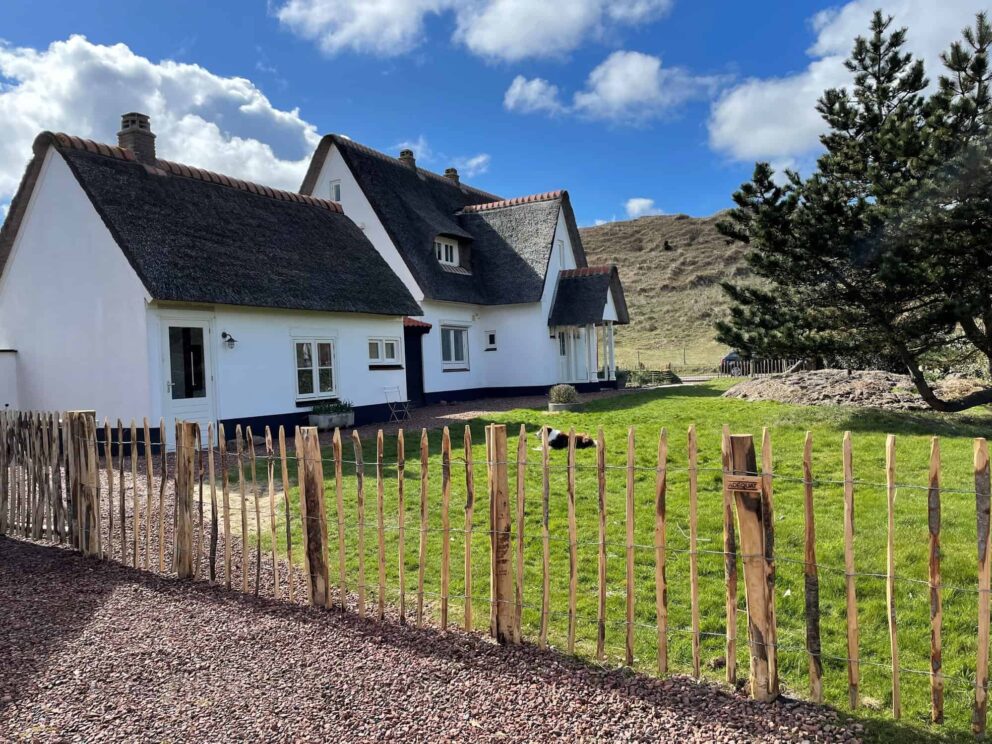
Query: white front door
(187, 374)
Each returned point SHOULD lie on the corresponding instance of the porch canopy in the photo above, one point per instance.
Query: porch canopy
(591, 296)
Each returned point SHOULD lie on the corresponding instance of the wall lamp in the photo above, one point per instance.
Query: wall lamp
(229, 340)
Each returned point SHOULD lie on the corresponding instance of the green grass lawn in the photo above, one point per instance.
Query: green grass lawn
(676, 409)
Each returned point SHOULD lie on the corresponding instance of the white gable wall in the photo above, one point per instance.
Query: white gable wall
(357, 207)
(73, 307)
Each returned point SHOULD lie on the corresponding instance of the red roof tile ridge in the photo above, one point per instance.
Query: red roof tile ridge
(588, 270)
(189, 171)
(409, 322)
(546, 196)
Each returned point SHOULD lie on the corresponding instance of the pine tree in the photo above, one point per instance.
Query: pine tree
(880, 257)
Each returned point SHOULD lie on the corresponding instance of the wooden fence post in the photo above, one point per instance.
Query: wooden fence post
(360, 497)
(660, 551)
(853, 662)
(187, 433)
(936, 610)
(573, 571)
(755, 534)
(601, 563)
(890, 563)
(469, 516)
(311, 479)
(629, 524)
(812, 580)
(982, 514)
(499, 495)
(89, 506)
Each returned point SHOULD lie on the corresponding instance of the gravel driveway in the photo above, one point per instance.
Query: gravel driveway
(97, 651)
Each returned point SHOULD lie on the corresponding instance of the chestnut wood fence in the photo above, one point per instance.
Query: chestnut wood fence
(103, 491)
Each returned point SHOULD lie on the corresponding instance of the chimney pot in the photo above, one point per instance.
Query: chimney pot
(451, 173)
(136, 135)
(406, 157)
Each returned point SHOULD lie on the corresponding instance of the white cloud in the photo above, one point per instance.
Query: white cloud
(382, 27)
(472, 166)
(640, 206)
(776, 118)
(220, 123)
(496, 29)
(633, 86)
(627, 87)
(532, 96)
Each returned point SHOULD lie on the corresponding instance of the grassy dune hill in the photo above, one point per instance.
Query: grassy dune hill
(673, 295)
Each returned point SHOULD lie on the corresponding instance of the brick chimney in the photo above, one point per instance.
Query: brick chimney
(136, 136)
(406, 157)
(451, 173)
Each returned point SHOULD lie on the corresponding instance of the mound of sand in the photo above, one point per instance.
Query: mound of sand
(866, 389)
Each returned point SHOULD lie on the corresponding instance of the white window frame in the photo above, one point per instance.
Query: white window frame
(446, 251)
(315, 368)
(491, 344)
(382, 360)
(336, 186)
(459, 364)
(561, 253)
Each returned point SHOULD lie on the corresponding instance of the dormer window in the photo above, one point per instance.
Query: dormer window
(446, 251)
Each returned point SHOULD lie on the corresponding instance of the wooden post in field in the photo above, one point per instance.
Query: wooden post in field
(149, 489)
(108, 452)
(936, 610)
(290, 581)
(445, 523)
(747, 488)
(310, 471)
(629, 522)
(982, 509)
(812, 579)
(572, 543)
(122, 492)
(380, 518)
(214, 519)
(226, 502)
(356, 442)
(4, 483)
(694, 558)
(336, 447)
(401, 521)
(853, 663)
(243, 496)
(271, 473)
(252, 462)
(500, 498)
(469, 516)
(164, 468)
(890, 579)
(422, 552)
(768, 524)
(187, 433)
(89, 505)
(729, 564)
(601, 606)
(545, 538)
(660, 552)
(521, 516)
(135, 506)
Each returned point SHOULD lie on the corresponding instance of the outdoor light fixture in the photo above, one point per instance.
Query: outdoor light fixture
(230, 340)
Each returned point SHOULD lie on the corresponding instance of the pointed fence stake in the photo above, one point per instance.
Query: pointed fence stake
(936, 610)
(812, 580)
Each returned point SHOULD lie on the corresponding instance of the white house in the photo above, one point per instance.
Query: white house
(140, 287)
(510, 305)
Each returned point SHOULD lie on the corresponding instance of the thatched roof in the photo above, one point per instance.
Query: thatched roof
(509, 241)
(196, 236)
(582, 294)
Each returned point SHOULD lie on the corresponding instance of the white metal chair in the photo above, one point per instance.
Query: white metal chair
(399, 407)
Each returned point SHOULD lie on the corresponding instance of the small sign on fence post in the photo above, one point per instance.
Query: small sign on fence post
(756, 540)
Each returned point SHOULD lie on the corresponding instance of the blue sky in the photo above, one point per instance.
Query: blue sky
(634, 106)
